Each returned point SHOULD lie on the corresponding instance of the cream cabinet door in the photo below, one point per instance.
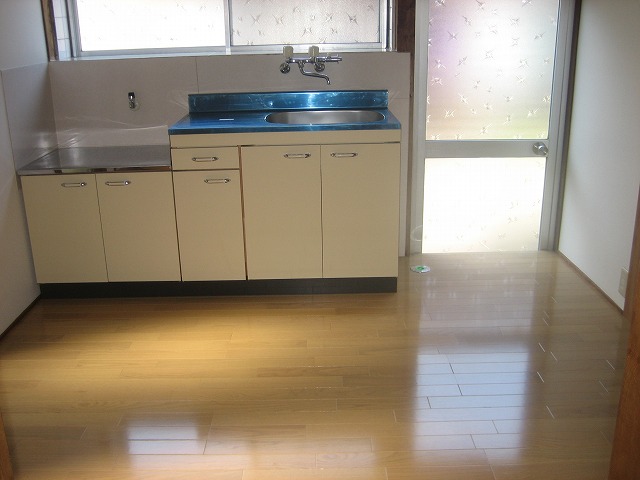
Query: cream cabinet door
(281, 188)
(64, 227)
(360, 210)
(139, 226)
(209, 217)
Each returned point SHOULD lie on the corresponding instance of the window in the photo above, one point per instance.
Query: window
(131, 27)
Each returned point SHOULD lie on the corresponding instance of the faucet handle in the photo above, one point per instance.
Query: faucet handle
(314, 51)
(287, 50)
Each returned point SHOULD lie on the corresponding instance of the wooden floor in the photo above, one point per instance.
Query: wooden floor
(489, 367)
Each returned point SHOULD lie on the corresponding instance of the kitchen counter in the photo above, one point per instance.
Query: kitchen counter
(100, 160)
(242, 122)
(243, 113)
(247, 112)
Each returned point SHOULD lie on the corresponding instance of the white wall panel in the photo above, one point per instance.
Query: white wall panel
(603, 170)
(23, 60)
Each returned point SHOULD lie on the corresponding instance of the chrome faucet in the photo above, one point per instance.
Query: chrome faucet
(318, 61)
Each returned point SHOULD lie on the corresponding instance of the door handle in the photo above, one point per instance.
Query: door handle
(73, 184)
(122, 183)
(540, 149)
(210, 181)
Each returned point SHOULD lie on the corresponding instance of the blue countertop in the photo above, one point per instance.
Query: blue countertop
(240, 122)
(247, 112)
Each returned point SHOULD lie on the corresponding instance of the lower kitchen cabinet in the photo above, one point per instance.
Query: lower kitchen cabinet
(209, 217)
(139, 226)
(64, 227)
(116, 227)
(321, 211)
(282, 208)
(225, 211)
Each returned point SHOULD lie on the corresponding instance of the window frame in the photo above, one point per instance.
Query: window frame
(386, 43)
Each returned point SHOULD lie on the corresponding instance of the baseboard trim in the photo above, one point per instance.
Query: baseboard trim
(591, 282)
(302, 286)
(19, 317)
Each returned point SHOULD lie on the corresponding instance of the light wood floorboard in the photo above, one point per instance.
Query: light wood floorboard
(488, 367)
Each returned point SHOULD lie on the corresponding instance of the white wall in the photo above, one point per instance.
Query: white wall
(603, 170)
(22, 66)
(21, 34)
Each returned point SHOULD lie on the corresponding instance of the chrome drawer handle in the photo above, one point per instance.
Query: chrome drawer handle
(205, 159)
(123, 183)
(296, 155)
(210, 181)
(73, 184)
(344, 155)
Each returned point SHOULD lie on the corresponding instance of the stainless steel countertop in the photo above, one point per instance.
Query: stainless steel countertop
(101, 159)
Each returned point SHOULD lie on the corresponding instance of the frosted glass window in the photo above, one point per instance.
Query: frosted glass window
(482, 204)
(150, 24)
(490, 69)
(133, 27)
(265, 22)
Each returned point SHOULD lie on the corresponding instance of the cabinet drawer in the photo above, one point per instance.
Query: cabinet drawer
(205, 158)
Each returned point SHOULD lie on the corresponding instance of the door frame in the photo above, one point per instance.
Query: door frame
(560, 109)
(625, 462)
(6, 472)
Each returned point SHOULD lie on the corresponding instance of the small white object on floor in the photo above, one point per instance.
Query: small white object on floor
(420, 269)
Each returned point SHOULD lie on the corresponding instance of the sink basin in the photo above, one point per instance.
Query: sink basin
(324, 117)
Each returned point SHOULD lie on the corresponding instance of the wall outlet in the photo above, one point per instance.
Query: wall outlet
(624, 276)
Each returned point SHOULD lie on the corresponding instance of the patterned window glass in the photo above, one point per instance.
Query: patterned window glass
(135, 26)
(265, 22)
(149, 24)
(482, 204)
(490, 68)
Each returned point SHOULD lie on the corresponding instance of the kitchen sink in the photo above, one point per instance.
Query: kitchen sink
(324, 117)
